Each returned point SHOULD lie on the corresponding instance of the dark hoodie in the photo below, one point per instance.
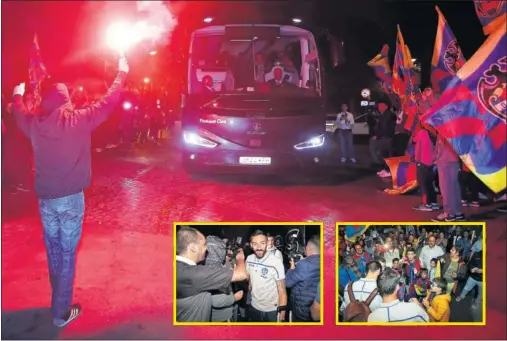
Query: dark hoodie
(61, 136)
(222, 303)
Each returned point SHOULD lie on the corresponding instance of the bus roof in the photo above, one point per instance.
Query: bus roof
(220, 29)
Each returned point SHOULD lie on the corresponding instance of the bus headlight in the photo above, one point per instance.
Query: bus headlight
(311, 143)
(195, 139)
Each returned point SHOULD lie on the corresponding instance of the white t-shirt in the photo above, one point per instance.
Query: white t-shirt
(263, 274)
(362, 289)
(428, 253)
(397, 311)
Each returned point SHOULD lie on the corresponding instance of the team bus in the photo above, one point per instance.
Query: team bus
(254, 99)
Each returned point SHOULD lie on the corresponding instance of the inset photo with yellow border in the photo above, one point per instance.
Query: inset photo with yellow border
(248, 274)
(411, 273)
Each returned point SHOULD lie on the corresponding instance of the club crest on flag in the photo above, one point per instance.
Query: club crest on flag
(489, 9)
(452, 57)
(492, 89)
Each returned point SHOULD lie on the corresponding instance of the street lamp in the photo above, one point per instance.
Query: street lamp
(414, 60)
(208, 20)
(296, 20)
(146, 80)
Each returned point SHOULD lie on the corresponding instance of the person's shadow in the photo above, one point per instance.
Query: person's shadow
(29, 324)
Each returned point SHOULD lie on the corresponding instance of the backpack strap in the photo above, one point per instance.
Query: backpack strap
(371, 297)
(351, 292)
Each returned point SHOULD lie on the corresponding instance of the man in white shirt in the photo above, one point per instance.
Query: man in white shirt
(429, 252)
(390, 253)
(266, 275)
(391, 309)
(345, 122)
(364, 287)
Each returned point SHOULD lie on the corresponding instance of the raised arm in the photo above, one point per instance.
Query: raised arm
(19, 110)
(97, 113)
(222, 300)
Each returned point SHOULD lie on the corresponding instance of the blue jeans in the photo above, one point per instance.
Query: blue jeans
(345, 139)
(62, 220)
(471, 283)
(448, 179)
(262, 316)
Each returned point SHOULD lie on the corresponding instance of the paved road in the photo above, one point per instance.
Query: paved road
(124, 263)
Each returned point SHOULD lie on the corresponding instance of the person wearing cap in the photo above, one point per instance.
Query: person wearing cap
(363, 287)
(60, 136)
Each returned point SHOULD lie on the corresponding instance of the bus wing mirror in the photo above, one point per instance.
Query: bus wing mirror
(337, 51)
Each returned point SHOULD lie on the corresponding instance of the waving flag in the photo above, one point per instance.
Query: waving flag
(438, 271)
(447, 56)
(491, 13)
(471, 113)
(399, 67)
(354, 231)
(380, 65)
(412, 84)
(405, 81)
(36, 71)
(414, 77)
(403, 173)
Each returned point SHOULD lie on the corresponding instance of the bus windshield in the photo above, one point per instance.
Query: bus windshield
(284, 66)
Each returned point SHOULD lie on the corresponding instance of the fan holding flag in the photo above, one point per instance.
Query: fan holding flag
(60, 136)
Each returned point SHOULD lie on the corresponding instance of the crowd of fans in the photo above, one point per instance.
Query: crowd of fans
(215, 283)
(411, 274)
(439, 168)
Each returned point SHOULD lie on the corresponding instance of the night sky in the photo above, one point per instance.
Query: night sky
(71, 33)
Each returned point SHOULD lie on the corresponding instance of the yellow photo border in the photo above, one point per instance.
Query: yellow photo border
(407, 324)
(235, 324)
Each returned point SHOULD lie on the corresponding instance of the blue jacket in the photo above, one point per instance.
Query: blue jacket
(346, 276)
(303, 282)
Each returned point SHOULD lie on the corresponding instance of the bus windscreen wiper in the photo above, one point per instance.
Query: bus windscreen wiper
(214, 100)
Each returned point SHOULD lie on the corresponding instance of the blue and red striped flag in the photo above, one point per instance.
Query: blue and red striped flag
(381, 67)
(412, 83)
(37, 71)
(399, 86)
(403, 173)
(471, 113)
(447, 56)
(492, 14)
(354, 231)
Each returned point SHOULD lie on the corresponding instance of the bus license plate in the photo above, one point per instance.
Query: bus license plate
(247, 160)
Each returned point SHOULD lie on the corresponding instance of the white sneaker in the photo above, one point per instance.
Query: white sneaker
(353, 160)
(384, 174)
(98, 150)
(343, 160)
(110, 146)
